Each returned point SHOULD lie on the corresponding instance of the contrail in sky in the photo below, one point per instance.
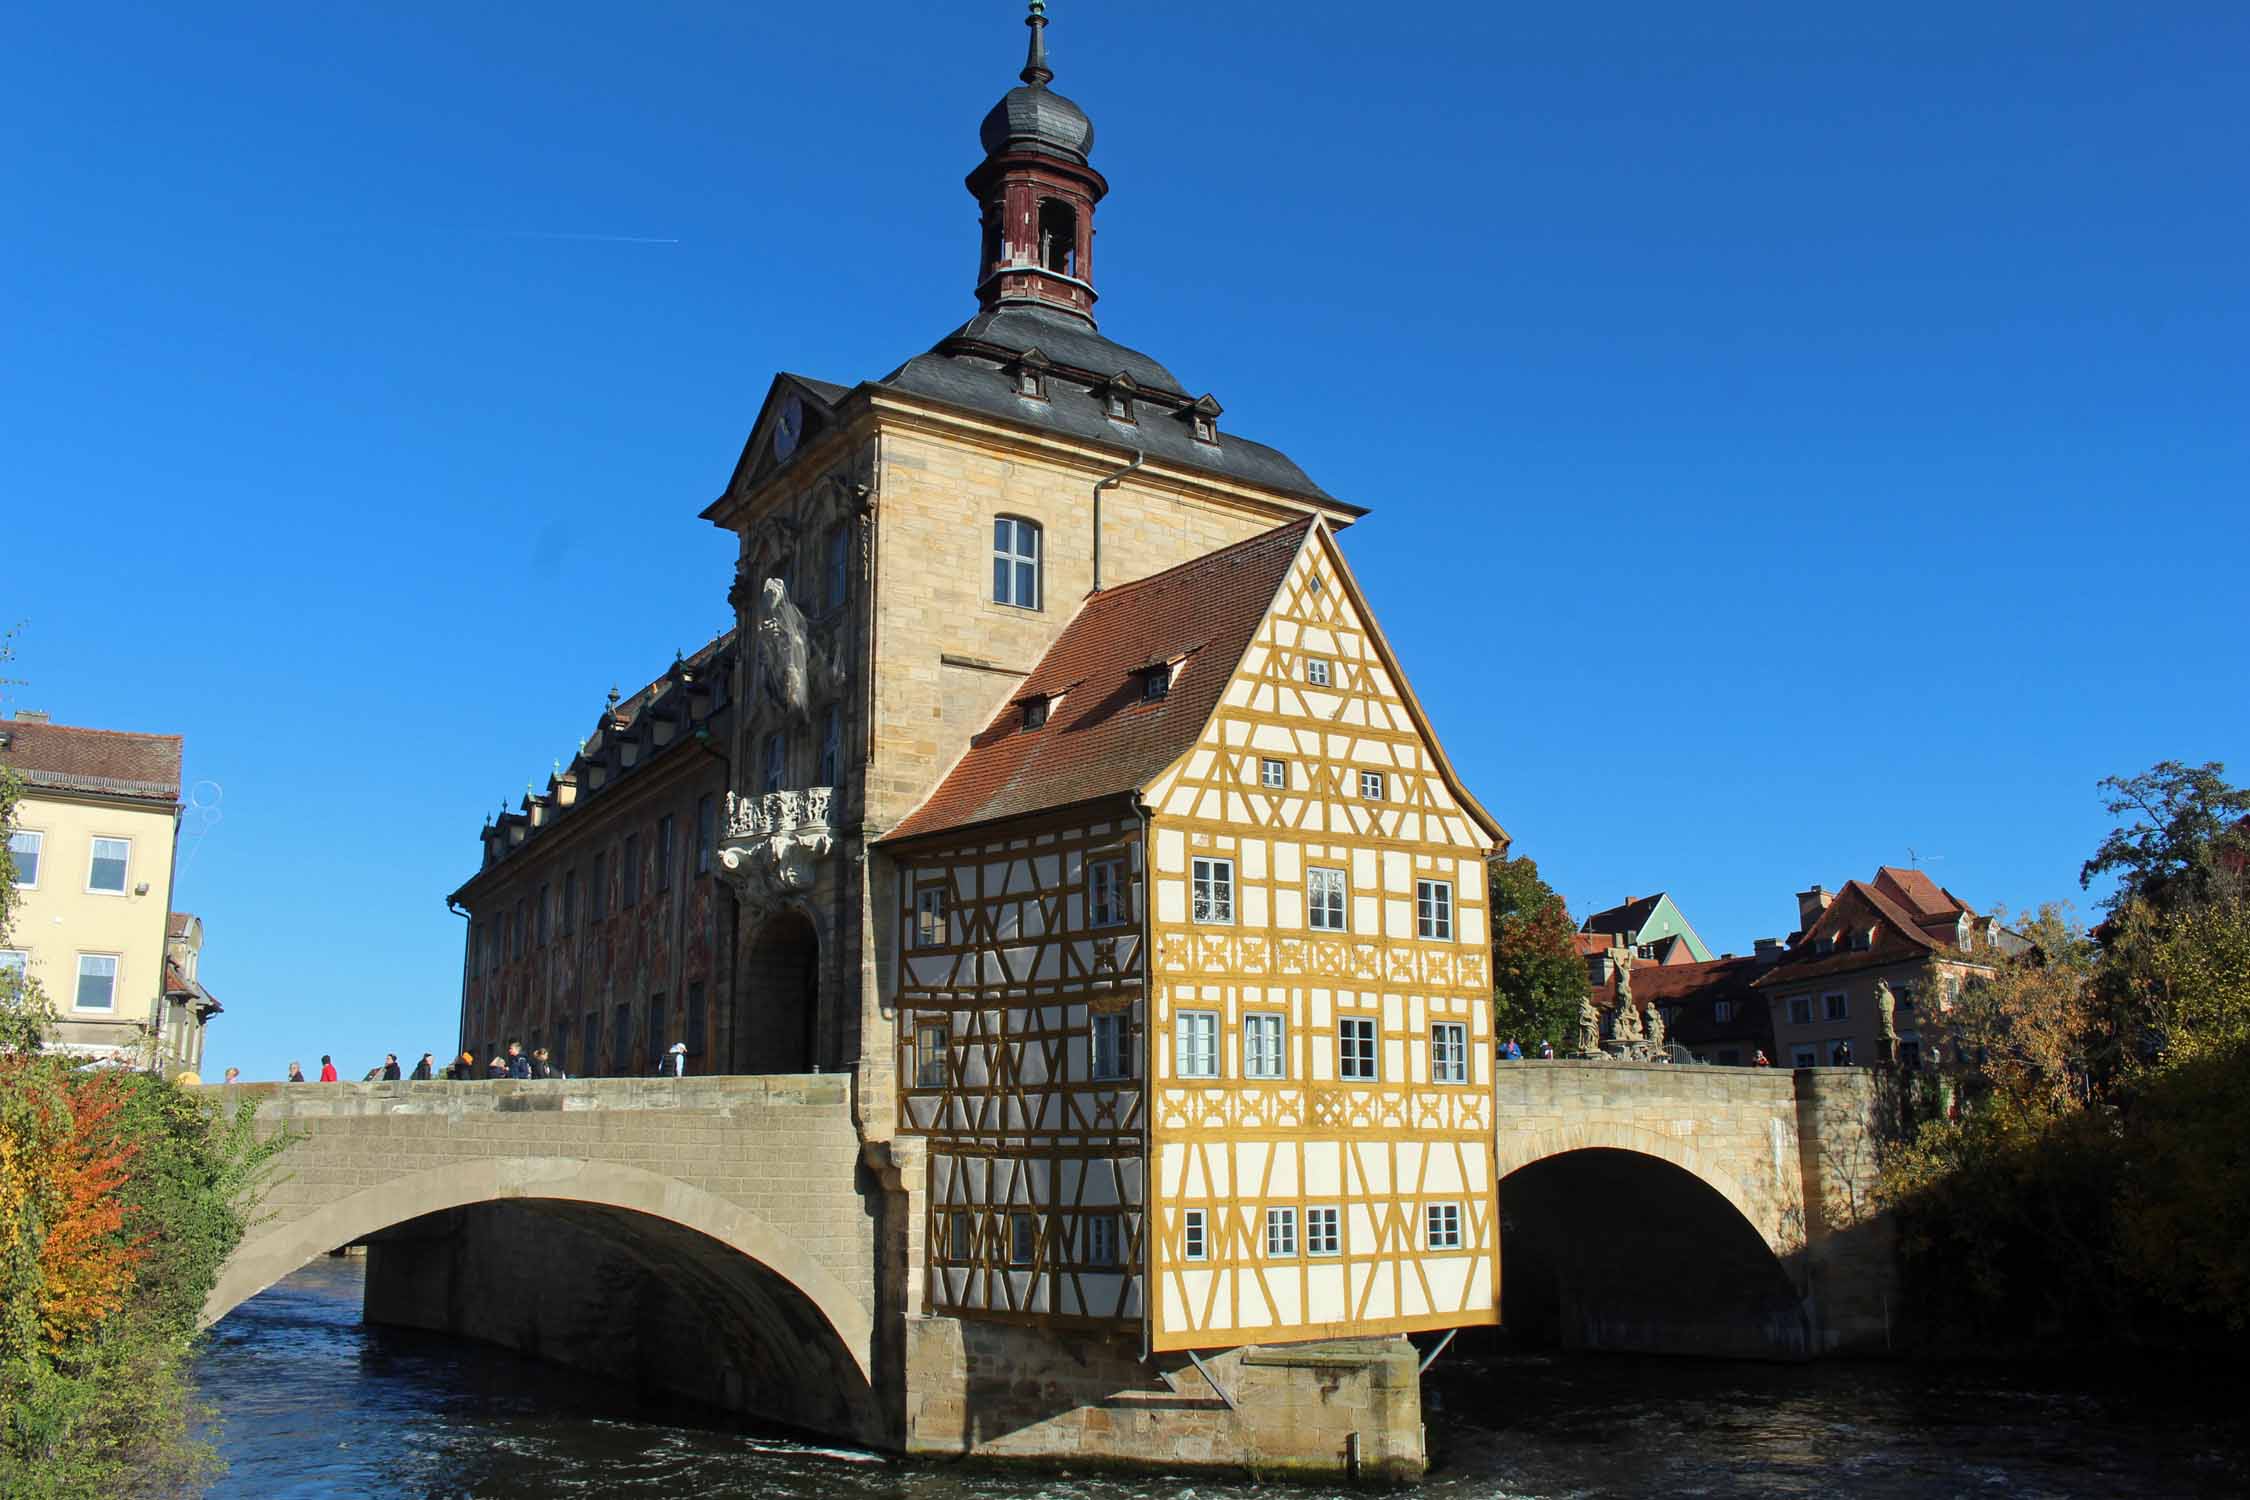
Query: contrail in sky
(607, 239)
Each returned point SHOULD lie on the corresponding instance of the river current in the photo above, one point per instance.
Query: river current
(314, 1403)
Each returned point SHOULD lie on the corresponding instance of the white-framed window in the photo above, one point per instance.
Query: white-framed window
(1433, 910)
(1195, 1243)
(106, 866)
(776, 775)
(1316, 671)
(1355, 1048)
(1836, 1006)
(932, 1040)
(962, 1235)
(1325, 893)
(929, 916)
(1015, 562)
(1106, 905)
(14, 961)
(97, 982)
(1800, 1010)
(1156, 682)
(1109, 1045)
(1722, 1011)
(1273, 774)
(1195, 1044)
(1441, 1226)
(1804, 1057)
(1023, 1239)
(1101, 1239)
(1371, 785)
(1281, 1231)
(1214, 890)
(831, 747)
(1449, 1052)
(1324, 1233)
(1262, 1055)
(24, 846)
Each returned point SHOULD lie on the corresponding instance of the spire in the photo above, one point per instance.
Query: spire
(1035, 70)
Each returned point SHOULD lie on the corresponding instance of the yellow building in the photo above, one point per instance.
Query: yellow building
(92, 846)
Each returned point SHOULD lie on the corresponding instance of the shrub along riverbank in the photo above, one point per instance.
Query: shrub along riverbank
(2082, 1173)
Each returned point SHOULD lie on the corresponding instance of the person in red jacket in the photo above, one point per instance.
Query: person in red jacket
(327, 1068)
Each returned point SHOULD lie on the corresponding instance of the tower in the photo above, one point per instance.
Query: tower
(1037, 192)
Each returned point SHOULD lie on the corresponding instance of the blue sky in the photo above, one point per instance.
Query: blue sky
(1794, 438)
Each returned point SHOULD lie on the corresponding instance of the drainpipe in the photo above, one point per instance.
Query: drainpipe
(1108, 481)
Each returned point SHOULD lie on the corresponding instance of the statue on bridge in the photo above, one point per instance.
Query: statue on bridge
(1625, 1020)
(1589, 1029)
(1886, 1023)
(1655, 1030)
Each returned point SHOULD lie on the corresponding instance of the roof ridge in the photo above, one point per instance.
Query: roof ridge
(135, 734)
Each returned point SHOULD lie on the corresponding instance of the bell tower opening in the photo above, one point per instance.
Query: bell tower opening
(1058, 237)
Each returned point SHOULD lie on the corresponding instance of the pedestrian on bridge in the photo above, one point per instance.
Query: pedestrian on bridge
(296, 1073)
(464, 1069)
(426, 1069)
(390, 1072)
(674, 1063)
(327, 1068)
(519, 1066)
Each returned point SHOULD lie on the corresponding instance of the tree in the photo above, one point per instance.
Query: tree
(2024, 1026)
(2185, 826)
(1538, 979)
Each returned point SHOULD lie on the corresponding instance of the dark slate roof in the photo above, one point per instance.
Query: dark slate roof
(1105, 739)
(98, 762)
(1037, 117)
(968, 369)
(1629, 918)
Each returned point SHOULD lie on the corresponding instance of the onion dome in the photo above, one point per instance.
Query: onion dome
(1035, 117)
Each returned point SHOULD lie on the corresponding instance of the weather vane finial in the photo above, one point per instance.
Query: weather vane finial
(1035, 70)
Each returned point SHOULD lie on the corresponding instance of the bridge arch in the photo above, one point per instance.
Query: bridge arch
(264, 1257)
(1778, 1223)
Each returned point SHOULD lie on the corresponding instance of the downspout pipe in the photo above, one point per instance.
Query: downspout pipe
(1106, 482)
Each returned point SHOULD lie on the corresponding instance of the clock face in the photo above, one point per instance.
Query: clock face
(788, 427)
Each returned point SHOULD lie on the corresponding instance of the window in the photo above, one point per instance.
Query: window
(930, 1043)
(1156, 682)
(13, 961)
(1910, 1053)
(1836, 1007)
(839, 565)
(540, 918)
(1433, 910)
(1804, 1057)
(1324, 1231)
(1023, 1239)
(1101, 1239)
(1324, 900)
(1195, 1044)
(831, 747)
(1109, 1042)
(562, 1046)
(570, 902)
(632, 871)
(1035, 713)
(1281, 1231)
(1015, 562)
(1863, 939)
(1722, 1011)
(1261, 1047)
(1058, 236)
(658, 1042)
(23, 846)
(698, 1019)
(1194, 1245)
(589, 1045)
(960, 1233)
(1442, 1223)
(1273, 773)
(1316, 671)
(597, 895)
(621, 1040)
(106, 870)
(1371, 785)
(1206, 427)
(1800, 1010)
(1031, 381)
(929, 916)
(1449, 1052)
(1355, 1047)
(1214, 890)
(97, 982)
(665, 844)
(706, 832)
(776, 762)
(1105, 893)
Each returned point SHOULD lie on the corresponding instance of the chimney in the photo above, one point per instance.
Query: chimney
(1769, 950)
(1810, 904)
(33, 716)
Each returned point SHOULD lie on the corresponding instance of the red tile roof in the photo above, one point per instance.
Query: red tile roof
(1898, 937)
(1929, 901)
(1104, 739)
(98, 762)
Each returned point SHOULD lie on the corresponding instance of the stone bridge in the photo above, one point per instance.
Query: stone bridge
(729, 1240)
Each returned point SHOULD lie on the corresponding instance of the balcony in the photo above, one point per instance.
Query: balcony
(773, 844)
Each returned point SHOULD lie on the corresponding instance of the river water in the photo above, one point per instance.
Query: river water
(315, 1404)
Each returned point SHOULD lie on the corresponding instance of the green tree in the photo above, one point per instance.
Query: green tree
(1538, 979)
(2182, 831)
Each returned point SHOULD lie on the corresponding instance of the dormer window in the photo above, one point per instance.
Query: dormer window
(1156, 682)
(1035, 712)
(1824, 945)
(1863, 939)
(1203, 420)
(1031, 375)
(1118, 397)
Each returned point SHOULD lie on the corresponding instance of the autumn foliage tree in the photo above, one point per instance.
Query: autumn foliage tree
(1538, 979)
